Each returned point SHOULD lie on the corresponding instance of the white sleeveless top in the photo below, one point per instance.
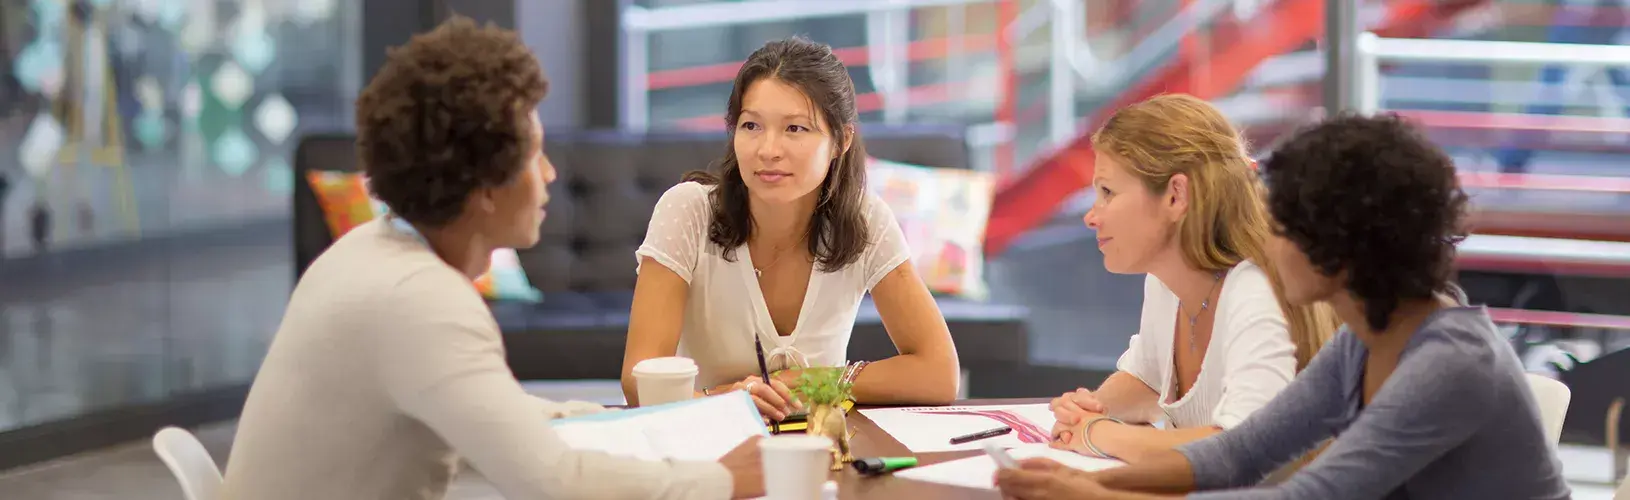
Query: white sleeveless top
(1249, 360)
(726, 307)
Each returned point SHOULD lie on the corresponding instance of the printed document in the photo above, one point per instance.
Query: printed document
(702, 429)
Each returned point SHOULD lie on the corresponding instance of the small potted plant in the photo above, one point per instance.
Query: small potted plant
(823, 392)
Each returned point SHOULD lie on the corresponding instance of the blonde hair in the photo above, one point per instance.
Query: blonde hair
(1226, 221)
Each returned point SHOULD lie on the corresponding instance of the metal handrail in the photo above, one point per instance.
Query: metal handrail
(638, 23)
(1148, 51)
(1373, 50)
(647, 19)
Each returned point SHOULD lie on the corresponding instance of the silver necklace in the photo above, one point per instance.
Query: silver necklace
(1204, 304)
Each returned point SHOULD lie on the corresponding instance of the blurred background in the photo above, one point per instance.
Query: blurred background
(145, 188)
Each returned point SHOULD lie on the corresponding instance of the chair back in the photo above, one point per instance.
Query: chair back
(1552, 397)
(191, 464)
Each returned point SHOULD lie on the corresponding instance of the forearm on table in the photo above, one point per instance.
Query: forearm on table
(1164, 472)
(499, 429)
(908, 379)
(1127, 398)
(1136, 443)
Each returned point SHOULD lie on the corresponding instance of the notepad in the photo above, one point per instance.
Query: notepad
(702, 429)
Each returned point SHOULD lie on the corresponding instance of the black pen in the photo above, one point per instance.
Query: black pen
(764, 369)
(981, 435)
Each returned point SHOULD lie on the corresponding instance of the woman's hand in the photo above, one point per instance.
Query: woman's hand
(746, 469)
(1067, 436)
(1069, 407)
(789, 377)
(1043, 479)
(774, 399)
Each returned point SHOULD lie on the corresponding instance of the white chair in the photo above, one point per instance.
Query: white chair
(1552, 397)
(190, 463)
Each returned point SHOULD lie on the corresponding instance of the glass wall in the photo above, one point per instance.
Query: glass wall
(1536, 111)
(144, 212)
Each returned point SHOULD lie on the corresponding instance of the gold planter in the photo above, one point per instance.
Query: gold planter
(830, 421)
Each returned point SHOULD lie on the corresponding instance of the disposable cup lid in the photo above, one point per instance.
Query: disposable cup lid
(795, 442)
(672, 365)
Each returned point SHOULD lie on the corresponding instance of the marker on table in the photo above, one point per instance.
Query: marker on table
(981, 435)
(874, 466)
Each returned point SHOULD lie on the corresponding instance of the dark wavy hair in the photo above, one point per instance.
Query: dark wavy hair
(1374, 197)
(837, 231)
(450, 112)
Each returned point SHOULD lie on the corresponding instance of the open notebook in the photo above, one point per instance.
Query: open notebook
(702, 429)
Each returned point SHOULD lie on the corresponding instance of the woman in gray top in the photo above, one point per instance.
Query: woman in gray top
(1423, 396)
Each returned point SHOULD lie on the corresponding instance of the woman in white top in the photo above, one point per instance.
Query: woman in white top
(782, 243)
(1178, 199)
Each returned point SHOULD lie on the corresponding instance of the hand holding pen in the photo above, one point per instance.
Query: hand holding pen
(774, 399)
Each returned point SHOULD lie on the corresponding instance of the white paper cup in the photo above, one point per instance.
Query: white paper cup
(795, 466)
(665, 380)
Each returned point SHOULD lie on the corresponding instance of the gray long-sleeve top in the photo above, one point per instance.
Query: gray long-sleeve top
(1455, 420)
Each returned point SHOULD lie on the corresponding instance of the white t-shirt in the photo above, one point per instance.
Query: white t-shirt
(1249, 360)
(726, 307)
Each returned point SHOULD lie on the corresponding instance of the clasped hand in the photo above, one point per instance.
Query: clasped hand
(1071, 412)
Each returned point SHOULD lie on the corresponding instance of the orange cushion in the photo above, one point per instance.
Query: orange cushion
(344, 199)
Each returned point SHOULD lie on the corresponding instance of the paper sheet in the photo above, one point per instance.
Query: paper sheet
(980, 472)
(930, 428)
(701, 429)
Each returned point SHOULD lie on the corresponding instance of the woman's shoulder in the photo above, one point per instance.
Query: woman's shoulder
(1247, 287)
(688, 199)
(875, 209)
(1460, 335)
(688, 191)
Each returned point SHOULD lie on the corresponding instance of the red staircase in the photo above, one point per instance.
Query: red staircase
(1285, 26)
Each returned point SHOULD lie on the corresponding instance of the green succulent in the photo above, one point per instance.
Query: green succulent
(820, 386)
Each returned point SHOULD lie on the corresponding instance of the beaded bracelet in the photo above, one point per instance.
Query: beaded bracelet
(849, 375)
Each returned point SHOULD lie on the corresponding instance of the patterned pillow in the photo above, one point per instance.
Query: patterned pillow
(346, 204)
(344, 199)
(943, 214)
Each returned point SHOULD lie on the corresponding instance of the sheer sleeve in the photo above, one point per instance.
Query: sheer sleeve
(677, 230)
(1260, 358)
(888, 249)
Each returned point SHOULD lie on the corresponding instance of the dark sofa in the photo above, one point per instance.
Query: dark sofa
(600, 204)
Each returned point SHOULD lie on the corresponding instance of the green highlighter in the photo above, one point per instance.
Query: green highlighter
(882, 465)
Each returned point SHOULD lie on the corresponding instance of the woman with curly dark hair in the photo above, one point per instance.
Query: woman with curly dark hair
(388, 366)
(1424, 397)
(778, 245)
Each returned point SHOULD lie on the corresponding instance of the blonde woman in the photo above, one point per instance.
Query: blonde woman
(1178, 200)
